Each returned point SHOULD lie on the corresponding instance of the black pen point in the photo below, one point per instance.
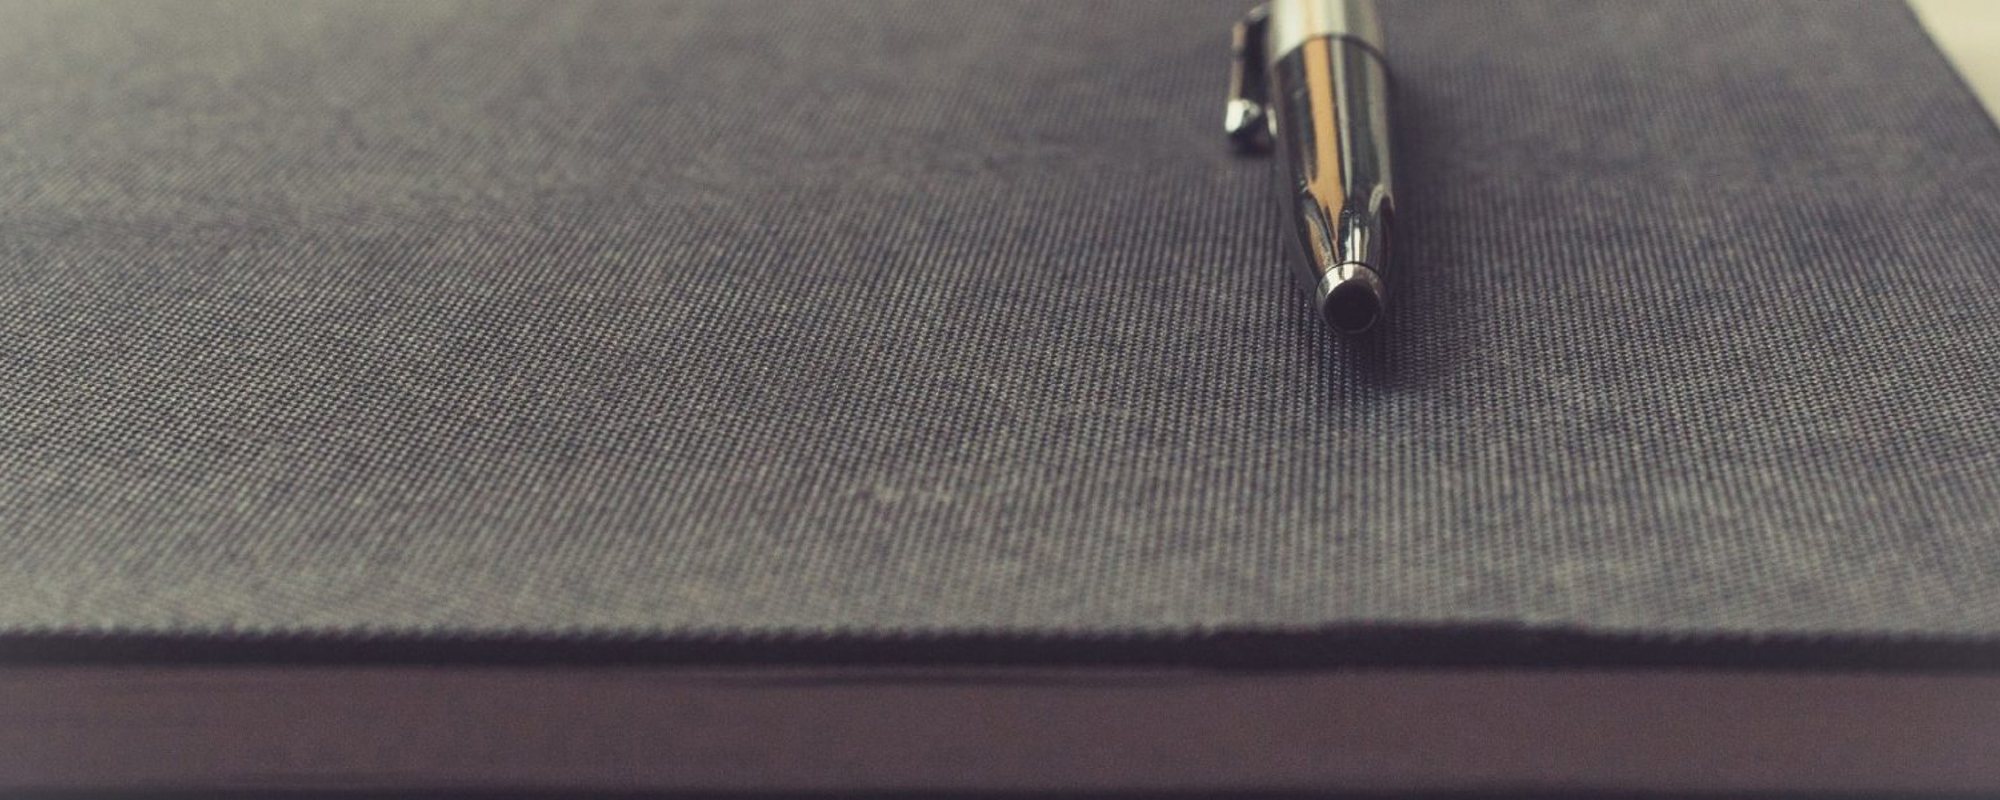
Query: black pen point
(1353, 306)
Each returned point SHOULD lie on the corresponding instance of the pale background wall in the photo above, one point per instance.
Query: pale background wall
(1969, 33)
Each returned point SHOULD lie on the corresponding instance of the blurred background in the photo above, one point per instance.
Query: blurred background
(1969, 33)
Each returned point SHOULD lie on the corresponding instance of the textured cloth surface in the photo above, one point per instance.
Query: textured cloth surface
(722, 319)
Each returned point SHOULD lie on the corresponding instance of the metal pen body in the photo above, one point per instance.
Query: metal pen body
(1324, 106)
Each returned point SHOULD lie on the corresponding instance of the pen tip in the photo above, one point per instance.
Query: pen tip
(1355, 304)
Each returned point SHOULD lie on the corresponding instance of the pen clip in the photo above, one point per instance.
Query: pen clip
(1244, 118)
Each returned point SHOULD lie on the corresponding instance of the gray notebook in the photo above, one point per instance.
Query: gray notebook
(877, 333)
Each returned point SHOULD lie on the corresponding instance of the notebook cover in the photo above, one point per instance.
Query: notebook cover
(953, 331)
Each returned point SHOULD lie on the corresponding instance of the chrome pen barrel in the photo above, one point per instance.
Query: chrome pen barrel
(1323, 104)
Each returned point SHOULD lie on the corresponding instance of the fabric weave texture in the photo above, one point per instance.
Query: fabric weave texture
(884, 318)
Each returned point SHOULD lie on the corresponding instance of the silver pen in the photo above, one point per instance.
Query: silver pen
(1309, 78)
